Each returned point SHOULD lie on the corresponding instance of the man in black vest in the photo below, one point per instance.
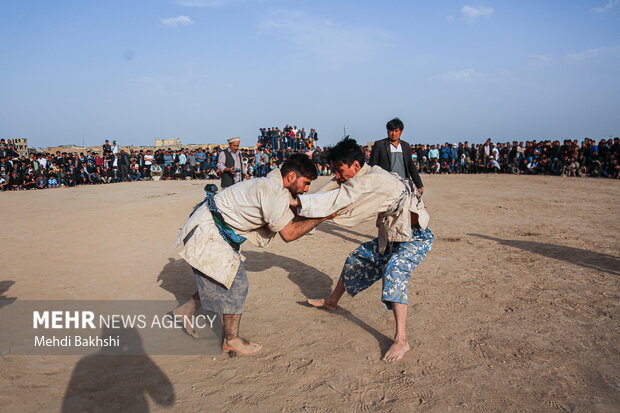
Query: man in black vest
(394, 155)
(123, 164)
(229, 163)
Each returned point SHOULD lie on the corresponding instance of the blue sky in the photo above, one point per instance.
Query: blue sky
(206, 70)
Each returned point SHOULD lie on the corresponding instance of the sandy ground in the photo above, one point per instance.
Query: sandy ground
(515, 309)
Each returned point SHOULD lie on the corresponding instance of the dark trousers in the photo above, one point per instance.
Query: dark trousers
(124, 169)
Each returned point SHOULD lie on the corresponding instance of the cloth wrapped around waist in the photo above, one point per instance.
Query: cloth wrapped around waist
(227, 233)
(209, 245)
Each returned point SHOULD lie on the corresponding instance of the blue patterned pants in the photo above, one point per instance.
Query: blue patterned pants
(366, 265)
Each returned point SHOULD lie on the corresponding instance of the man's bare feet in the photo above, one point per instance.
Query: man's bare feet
(185, 312)
(322, 303)
(241, 346)
(396, 351)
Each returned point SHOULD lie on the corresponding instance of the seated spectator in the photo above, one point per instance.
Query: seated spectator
(105, 176)
(29, 181)
(83, 177)
(134, 172)
(52, 182)
(156, 171)
(96, 177)
(614, 169)
(68, 177)
(445, 167)
(169, 173)
(41, 182)
(423, 165)
(187, 171)
(178, 171)
(115, 175)
(15, 183)
(596, 169)
(212, 173)
(146, 173)
(493, 165)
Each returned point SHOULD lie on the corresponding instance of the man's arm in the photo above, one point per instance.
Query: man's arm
(221, 160)
(299, 227)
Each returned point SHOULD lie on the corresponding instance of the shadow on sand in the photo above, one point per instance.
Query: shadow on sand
(577, 256)
(384, 341)
(117, 381)
(4, 287)
(313, 284)
(338, 231)
(177, 278)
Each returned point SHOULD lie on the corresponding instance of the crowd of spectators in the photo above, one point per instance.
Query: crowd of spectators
(113, 164)
(46, 170)
(288, 138)
(532, 157)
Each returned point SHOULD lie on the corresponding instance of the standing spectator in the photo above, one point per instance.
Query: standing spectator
(149, 158)
(124, 162)
(107, 148)
(168, 158)
(201, 158)
(261, 162)
(229, 164)
(433, 154)
(191, 160)
(394, 154)
(182, 158)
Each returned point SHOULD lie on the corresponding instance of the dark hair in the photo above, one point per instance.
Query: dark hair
(395, 124)
(301, 164)
(345, 152)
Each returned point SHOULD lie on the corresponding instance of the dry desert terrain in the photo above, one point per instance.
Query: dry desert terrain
(515, 309)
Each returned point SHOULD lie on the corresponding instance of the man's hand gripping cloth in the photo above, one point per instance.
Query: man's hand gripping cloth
(371, 192)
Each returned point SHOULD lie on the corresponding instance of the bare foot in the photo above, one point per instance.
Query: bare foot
(322, 303)
(185, 312)
(241, 346)
(396, 351)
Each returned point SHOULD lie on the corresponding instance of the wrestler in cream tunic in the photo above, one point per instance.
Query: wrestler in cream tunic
(257, 209)
(372, 191)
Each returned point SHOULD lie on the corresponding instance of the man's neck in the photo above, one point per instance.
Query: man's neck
(395, 143)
